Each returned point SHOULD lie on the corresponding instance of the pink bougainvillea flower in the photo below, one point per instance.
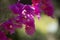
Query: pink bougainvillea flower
(8, 26)
(48, 10)
(37, 10)
(29, 30)
(24, 14)
(30, 26)
(47, 7)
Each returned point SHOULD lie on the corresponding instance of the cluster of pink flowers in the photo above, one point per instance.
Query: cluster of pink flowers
(24, 15)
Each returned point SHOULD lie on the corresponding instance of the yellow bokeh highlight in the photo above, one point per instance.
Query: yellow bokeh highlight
(41, 25)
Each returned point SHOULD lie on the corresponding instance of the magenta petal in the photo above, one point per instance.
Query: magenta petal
(8, 26)
(48, 7)
(28, 9)
(36, 1)
(3, 36)
(37, 9)
(30, 27)
(49, 10)
(18, 25)
(16, 8)
(30, 30)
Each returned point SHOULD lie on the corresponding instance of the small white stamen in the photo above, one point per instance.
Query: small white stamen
(10, 26)
(24, 12)
(33, 8)
(28, 15)
(25, 16)
(32, 16)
